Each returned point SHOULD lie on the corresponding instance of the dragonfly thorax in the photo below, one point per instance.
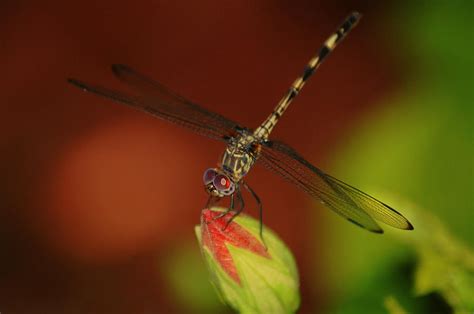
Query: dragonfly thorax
(239, 156)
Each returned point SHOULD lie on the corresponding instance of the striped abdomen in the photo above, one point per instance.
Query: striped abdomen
(267, 126)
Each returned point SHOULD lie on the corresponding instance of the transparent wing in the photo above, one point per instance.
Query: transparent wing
(349, 202)
(156, 99)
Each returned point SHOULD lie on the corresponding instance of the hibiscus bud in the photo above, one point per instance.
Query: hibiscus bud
(249, 276)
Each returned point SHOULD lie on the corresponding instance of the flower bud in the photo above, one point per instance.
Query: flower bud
(249, 276)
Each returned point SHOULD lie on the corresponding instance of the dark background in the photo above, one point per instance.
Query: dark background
(99, 202)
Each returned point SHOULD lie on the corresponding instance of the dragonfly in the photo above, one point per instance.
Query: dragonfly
(246, 146)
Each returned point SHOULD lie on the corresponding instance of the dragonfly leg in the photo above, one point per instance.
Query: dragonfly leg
(241, 199)
(211, 201)
(208, 202)
(242, 205)
(228, 210)
(260, 210)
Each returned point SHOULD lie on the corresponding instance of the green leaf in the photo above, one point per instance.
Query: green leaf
(393, 306)
(445, 265)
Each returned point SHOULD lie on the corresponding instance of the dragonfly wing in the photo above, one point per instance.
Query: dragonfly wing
(351, 203)
(159, 101)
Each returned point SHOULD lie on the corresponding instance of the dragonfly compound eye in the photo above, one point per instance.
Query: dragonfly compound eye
(222, 183)
(209, 176)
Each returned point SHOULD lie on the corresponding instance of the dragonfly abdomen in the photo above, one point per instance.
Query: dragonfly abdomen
(267, 126)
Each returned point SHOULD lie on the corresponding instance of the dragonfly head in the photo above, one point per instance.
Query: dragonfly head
(217, 183)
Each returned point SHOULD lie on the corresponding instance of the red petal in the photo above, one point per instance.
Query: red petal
(215, 238)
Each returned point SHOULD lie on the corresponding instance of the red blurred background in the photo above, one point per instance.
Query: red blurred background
(94, 193)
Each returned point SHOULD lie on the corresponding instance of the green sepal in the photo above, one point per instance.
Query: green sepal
(267, 285)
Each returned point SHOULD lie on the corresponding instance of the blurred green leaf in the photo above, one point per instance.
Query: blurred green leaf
(445, 265)
(437, 277)
(392, 306)
(186, 276)
(438, 35)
